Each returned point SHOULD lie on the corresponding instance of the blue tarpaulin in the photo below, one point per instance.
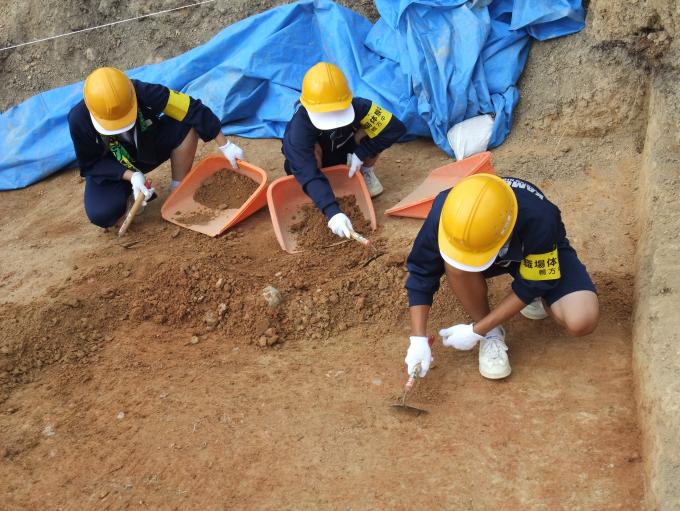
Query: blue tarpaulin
(432, 63)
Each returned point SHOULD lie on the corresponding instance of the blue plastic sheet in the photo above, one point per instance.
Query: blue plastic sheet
(431, 62)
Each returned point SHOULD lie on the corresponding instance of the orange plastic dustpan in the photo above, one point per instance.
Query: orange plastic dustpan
(180, 206)
(418, 203)
(285, 198)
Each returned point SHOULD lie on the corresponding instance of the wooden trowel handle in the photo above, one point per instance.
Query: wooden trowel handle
(131, 214)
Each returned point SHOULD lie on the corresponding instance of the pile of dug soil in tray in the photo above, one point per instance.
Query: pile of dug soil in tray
(311, 226)
(225, 189)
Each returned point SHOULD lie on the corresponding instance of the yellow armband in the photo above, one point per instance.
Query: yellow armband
(375, 120)
(540, 266)
(178, 105)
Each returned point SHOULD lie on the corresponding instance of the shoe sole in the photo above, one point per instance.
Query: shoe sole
(375, 194)
(495, 376)
(535, 317)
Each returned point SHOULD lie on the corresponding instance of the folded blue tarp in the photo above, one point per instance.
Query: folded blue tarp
(431, 62)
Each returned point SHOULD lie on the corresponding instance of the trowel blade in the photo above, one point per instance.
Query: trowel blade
(409, 410)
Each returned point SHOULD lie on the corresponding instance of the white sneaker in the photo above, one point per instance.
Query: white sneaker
(372, 181)
(534, 310)
(493, 358)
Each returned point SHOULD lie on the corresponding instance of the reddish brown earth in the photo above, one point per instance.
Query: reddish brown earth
(132, 376)
(225, 190)
(311, 226)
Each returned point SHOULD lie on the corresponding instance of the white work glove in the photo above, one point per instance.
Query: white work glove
(461, 337)
(340, 225)
(138, 182)
(354, 164)
(231, 151)
(418, 352)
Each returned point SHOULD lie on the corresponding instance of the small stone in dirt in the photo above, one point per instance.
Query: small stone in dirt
(222, 206)
(219, 283)
(120, 416)
(262, 341)
(48, 431)
(73, 302)
(221, 309)
(274, 339)
(175, 233)
(194, 340)
(108, 338)
(360, 302)
(211, 318)
(272, 295)
(278, 274)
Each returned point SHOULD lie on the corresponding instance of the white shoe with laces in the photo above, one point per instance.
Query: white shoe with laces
(493, 357)
(373, 184)
(534, 310)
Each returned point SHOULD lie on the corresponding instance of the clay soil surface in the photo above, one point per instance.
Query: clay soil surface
(134, 375)
(311, 226)
(225, 190)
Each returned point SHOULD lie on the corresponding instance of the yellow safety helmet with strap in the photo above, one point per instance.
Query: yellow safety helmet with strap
(477, 219)
(111, 100)
(327, 97)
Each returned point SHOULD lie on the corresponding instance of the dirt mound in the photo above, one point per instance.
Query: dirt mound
(226, 189)
(209, 292)
(199, 217)
(311, 226)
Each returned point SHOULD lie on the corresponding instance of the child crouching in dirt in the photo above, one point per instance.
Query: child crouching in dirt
(333, 128)
(119, 135)
(484, 227)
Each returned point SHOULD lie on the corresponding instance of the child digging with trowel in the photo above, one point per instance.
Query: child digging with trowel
(331, 127)
(483, 227)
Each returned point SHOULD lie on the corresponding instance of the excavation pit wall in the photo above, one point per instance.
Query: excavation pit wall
(656, 336)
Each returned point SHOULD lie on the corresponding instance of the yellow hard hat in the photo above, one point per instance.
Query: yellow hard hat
(327, 97)
(111, 100)
(477, 219)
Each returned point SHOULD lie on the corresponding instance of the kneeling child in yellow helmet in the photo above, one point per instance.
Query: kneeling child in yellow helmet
(331, 128)
(483, 227)
(125, 128)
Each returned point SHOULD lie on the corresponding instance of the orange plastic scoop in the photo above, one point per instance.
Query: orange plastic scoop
(285, 197)
(180, 207)
(418, 203)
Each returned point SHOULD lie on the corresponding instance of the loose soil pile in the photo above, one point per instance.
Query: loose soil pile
(197, 217)
(311, 226)
(225, 189)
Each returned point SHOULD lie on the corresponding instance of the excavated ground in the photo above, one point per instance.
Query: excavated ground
(108, 403)
(152, 373)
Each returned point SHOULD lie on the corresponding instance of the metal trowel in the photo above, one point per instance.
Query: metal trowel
(402, 407)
